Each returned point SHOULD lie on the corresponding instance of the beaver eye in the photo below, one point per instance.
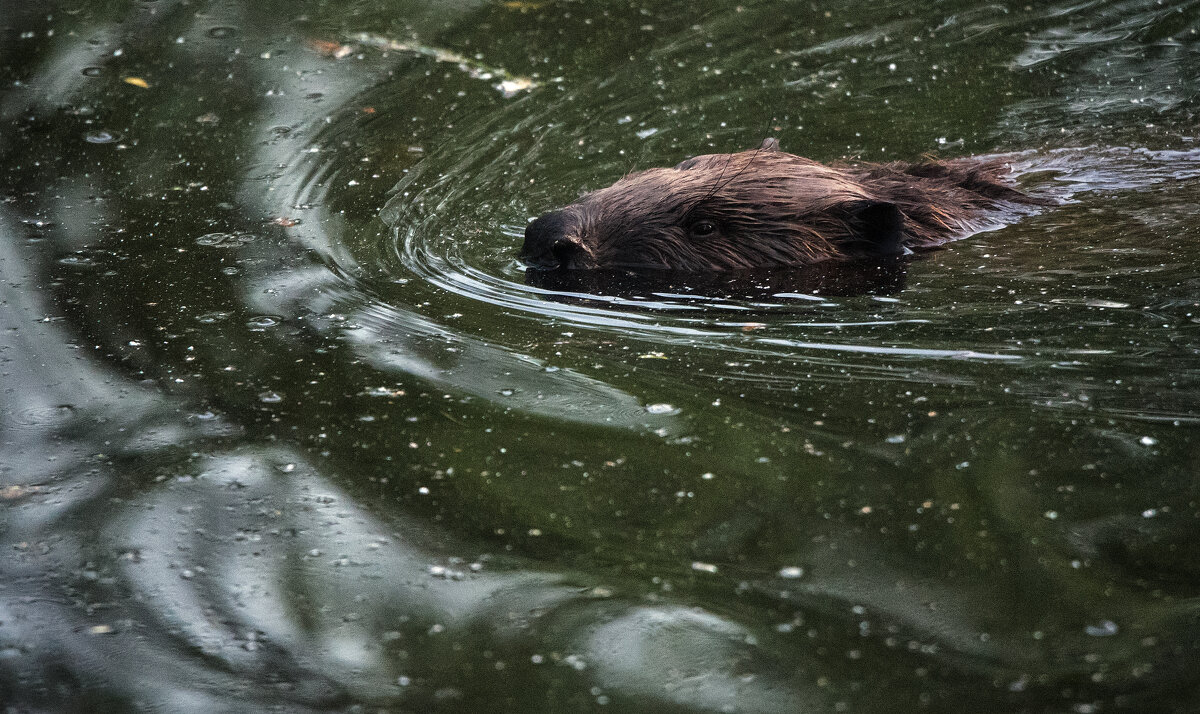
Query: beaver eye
(703, 228)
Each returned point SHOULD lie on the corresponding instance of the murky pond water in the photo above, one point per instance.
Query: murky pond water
(286, 426)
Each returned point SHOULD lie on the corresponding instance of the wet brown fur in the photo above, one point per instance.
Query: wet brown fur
(770, 208)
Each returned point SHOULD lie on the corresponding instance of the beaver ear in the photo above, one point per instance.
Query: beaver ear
(878, 227)
(769, 144)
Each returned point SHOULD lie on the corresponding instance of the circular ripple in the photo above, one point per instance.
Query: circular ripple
(37, 418)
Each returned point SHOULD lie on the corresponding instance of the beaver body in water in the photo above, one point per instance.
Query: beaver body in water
(766, 208)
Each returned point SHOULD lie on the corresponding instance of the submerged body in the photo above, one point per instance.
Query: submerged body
(768, 208)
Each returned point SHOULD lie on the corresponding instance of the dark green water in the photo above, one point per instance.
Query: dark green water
(283, 425)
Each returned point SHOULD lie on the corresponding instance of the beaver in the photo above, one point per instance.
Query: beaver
(766, 208)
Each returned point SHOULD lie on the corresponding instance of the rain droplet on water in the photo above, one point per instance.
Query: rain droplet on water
(209, 318)
(258, 323)
(78, 261)
(1107, 628)
(225, 240)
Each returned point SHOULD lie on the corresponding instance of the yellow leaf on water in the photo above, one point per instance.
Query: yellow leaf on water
(12, 493)
(137, 82)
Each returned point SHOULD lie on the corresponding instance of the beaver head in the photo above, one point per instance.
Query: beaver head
(752, 209)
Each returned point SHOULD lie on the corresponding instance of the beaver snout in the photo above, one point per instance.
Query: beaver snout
(548, 245)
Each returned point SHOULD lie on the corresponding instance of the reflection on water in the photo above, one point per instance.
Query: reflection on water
(833, 278)
(286, 425)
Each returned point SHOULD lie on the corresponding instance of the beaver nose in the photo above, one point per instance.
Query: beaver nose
(546, 242)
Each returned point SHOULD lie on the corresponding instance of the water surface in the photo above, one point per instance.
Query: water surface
(285, 425)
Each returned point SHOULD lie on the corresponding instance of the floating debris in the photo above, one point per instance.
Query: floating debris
(507, 84)
(510, 87)
(331, 49)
